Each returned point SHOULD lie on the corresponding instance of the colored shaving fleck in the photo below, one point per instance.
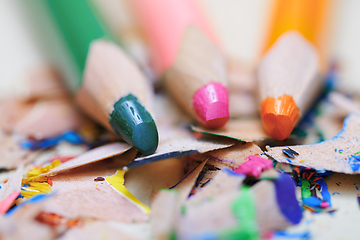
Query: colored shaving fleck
(254, 166)
(324, 192)
(8, 201)
(183, 209)
(354, 162)
(305, 189)
(315, 202)
(71, 137)
(34, 184)
(173, 236)
(287, 235)
(200, 177)
(53, 219)
(49, 181)
(61, 158)
(243, 208)
(288, 153)
(293, 151)
(295, 176)
(274, 163)
(286, 198)
(205, 183)
(310, 175)
(117, 182)
(35, 199)
(99, 179)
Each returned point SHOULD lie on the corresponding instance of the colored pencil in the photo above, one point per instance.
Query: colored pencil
(306, 16)
(186, 55)
(112, 89)
(288, 73)
(122, 24)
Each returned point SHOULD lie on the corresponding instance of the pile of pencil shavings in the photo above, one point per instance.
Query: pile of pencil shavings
(199, 184)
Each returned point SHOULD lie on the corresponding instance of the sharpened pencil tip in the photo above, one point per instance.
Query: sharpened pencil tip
(145, 138)
(211, 105)
(279, 116)
(134, 124)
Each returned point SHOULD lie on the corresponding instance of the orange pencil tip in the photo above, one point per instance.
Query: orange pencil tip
(279, 116)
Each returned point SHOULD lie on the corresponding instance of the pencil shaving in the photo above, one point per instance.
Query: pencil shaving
(109, 229)
(338, 154)
(14, 183)
(222, 183)
(329, 125)
(22, 229)
(212, 206)
(12, 155)
(247, 130)
(96, 200)
(177, 141)
(344, 104)
(232, 157)
(41, 83)
(166, 211)
(167, 204)
(143, 180)
(268, 213)
(45, 115)
(91, 156)
(11, 190)
(188, 182)
(42, 119)
(40, 108)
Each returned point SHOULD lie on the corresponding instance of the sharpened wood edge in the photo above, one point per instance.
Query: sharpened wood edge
(197, 63)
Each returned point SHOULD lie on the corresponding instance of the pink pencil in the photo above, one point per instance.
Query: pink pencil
(185, 54)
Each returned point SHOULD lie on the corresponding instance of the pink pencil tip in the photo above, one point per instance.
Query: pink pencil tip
(211, 105)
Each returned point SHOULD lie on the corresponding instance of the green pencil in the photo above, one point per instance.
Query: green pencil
(112, 89)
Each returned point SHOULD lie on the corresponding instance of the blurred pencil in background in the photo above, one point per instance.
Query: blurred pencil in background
(309, 17)
(185, 53)
(116, 14)
(38, 105)
(112, 89)
(288, 74)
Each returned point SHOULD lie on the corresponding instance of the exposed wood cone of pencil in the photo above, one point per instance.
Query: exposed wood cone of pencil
(289, 72)
(186, 55)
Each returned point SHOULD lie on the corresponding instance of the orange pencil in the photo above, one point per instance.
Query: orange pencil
(288, 73)
(306, 16)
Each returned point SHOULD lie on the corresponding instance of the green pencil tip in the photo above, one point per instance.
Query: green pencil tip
(134, 124)
(145, 138)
